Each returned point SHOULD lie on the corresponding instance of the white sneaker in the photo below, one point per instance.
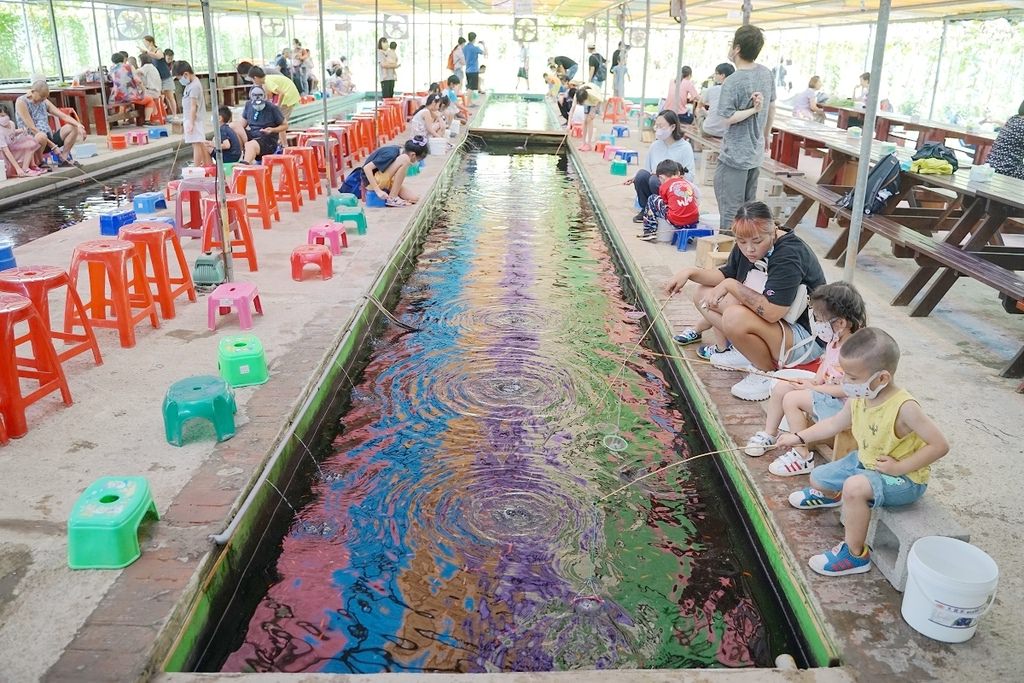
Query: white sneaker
(791, 463)
(758, 444)
(729, 360)
(753, 388)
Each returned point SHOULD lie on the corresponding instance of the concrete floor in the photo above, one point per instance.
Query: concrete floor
(56, 624)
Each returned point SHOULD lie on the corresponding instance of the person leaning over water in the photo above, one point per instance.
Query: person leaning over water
(383, 172)
(757, 302)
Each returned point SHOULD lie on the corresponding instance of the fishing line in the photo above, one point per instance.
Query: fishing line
(666, 467)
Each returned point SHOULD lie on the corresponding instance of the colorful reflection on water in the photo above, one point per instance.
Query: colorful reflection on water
(457, 525)
(515, 113)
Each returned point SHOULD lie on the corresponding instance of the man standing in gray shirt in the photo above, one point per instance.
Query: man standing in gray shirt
(747, 105)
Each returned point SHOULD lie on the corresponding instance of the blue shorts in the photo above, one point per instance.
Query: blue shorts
(887, 491)
(825, 406)
(805, 353)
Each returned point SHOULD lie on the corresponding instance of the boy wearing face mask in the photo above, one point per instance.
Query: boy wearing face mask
(193, 107)
(896, 445)
(264, 122)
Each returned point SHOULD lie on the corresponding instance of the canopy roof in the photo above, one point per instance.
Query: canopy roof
(701, 14)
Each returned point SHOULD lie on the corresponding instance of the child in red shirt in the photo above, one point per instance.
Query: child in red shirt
(676, 201)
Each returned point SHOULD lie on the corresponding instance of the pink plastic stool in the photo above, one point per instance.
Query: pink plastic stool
(237, 295)
(609, 152)
(318, 254)
(328, 233)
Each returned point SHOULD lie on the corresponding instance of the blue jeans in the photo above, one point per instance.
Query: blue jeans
(887, 491)
(645, 184)
(571, 71)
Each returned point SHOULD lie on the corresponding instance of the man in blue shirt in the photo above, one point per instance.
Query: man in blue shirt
(264, 122)
(472, 52)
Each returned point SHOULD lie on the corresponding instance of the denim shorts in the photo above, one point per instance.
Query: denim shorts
(825, 406)
(805, 353)
(887, 491)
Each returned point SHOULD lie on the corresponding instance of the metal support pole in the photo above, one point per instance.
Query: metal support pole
(263, 53)
(56, 41)
(376, 47)
(430, 42)
(607, 47)
(28, 42)
(868, 52)
(413, 31)
(748, 9)
(188, 25)
(938, 68)
(248, 26)
(647, 51)
(679, 58)
(867, 137)
(225, 227)
(99, 57)
(328, 160)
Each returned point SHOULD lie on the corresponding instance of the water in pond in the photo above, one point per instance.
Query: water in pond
(458, 524)
(53, 210)
(517, 114)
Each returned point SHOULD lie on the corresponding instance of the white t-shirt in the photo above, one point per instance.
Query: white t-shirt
(713, 123)
(150, 79)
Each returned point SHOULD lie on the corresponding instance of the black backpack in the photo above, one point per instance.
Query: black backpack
(601, 72)
(883, 183)
(937, 150)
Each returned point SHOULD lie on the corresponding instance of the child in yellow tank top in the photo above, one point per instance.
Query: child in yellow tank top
(896, 445)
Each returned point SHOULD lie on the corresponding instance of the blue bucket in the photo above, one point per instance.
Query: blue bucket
(373, 200)
(7, 254)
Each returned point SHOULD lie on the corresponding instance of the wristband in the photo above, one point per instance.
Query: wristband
(797, 435)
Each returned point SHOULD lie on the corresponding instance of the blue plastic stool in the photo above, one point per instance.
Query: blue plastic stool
(620, 131)
(149, 202)
(111, 221)
(7, 254)
(169, 220)
(85, 150)
(606, 138)
(628, 155)
(158, 132)
(682, 236)
(204, 396)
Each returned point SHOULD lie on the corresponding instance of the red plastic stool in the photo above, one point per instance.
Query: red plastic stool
(159, 111)
(42, 367)
(3, 432)
(242, 245)
(309, 176)
(576, 130)
(193, 191)
(171, 190)
(288, 187)
(265, 206)
(117, 141)
(321, 157)
(151, 240)
(108, 261)
(36, 283)
(615, 110)
(312, 253)
(331, 233)
(237, 295)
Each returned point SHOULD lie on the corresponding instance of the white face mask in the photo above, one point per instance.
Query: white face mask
(662, 133)
(864, 390)
(822, 329)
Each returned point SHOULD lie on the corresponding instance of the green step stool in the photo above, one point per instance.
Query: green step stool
(619, 167)
(241, 360)
(344, 199)
(209, 269)
(349, 214)
(103, 530)
(203, 396)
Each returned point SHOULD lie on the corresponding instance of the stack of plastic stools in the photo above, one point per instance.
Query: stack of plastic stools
(628, 155)
(288, 187)
(36, 283)
(349, 214)
(318, 254)
(241, 361)
(85, 150)
(242, 243)
(137, 137)
(193, 191)
(158, 132)
(619, 167)
(682, 236)
(620, 131)
(117, 141)
(103, 529)
(309, 174)
(205, 397)
(334, 155)
(108, 261)
(610, 151)
(615, 110)
(265, 206)
(237, 295)
(332, 234)
(149, 202)
(111, 222)
(43, 367)
(209, 269)
(151, 240)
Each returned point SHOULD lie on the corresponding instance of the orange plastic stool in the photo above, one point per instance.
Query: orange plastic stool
(309, 176)
(117, 141)
(151, 238)
(321, 158)
(171, 190)
(36, 283)
(615, 110)
(108, 260)
(70, 111)
(265, 206)
(288, 187)
(160, 112)
(242, 245)
(312, 253)
(42, 367)
(192, 190)
(362, 134)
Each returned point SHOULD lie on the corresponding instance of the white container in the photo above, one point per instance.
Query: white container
(454, 129)
(981, 173)
(950, 586)
(193, 172)
(438, 145)
(665, 231)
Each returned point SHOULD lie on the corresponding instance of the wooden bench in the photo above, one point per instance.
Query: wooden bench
(812, 194)
(118, 113)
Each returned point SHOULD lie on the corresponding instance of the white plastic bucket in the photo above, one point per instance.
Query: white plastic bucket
(193, 172)
(665, 231)
(790, 373)
(950, 585)
(438, 145)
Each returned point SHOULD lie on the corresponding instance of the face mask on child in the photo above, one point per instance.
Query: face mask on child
(864, 390)
(662, 133)
(183, 81)
(822, 329)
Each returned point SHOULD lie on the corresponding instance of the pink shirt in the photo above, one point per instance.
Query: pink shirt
(687, 93)
(831, 371)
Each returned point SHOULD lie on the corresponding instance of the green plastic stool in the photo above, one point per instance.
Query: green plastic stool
(202, 396)
(209, 269)
(241, 360)
(619, 167)
(414, 169)
(350, 214)
(103, 530)
(336, 200)
(229, 169)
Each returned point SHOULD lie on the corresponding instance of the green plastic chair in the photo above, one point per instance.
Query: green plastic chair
(241, 360)
(349, 214)
(103, 530)
(203, 396)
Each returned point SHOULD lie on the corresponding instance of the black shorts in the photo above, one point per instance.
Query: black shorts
(267, 143)
(522, 74)
(55, 138)
(472, 81)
